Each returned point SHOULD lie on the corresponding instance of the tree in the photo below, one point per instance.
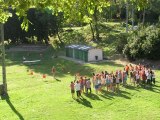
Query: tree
(127, 10)
(12, 29)
(3, 59)
(42, 23)
(144, 43)
(83, 10)
(86, 11)
(143, 5)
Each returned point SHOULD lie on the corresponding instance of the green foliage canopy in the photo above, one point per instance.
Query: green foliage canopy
(73, 9)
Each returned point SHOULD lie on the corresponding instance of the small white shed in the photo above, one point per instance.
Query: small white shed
(83, 52)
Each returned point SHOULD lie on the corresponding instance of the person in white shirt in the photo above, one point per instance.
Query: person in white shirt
(149, 78)
(78, 89)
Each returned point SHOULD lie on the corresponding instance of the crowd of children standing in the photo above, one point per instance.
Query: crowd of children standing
(137, 74)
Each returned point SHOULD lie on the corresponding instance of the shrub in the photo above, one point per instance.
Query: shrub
(121, 42)
(144, 43)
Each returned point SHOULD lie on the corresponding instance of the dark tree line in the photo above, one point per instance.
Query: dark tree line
(118, 12)
(42, 24)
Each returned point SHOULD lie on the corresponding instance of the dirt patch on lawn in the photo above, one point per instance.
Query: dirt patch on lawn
(120, 59)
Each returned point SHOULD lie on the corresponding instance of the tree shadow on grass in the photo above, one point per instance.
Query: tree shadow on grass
(92, 96)
(58, 80)
(47, 62)
(52, 81)
(63, 67)
(6, 97)
(84, 102)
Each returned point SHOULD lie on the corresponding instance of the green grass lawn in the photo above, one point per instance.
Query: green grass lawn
(33, 98)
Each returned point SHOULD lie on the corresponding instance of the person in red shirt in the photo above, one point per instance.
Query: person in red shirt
(72, 89)
(144, 77)
(139, 67)
(127, 69)
(136, 67)
(81, 82)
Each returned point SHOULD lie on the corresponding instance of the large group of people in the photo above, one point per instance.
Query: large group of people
(136, 75)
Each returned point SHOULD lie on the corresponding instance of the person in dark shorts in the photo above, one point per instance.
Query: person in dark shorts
(127, 69)
(144, 77)
(149, 78)
(114, 83)
(88, 85)
(153, 78)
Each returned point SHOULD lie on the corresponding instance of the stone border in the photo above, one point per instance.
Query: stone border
(36, 48)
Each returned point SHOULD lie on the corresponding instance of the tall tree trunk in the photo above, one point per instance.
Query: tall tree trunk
(132, 17)
(120, 11)
(143, 20)
(93, 37)
(127, 7)
(3, 60)
(59, 38)
(110, 12)
(57, 31)
(96, 23)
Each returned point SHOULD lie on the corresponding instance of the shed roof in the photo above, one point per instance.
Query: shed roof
(80, 47)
